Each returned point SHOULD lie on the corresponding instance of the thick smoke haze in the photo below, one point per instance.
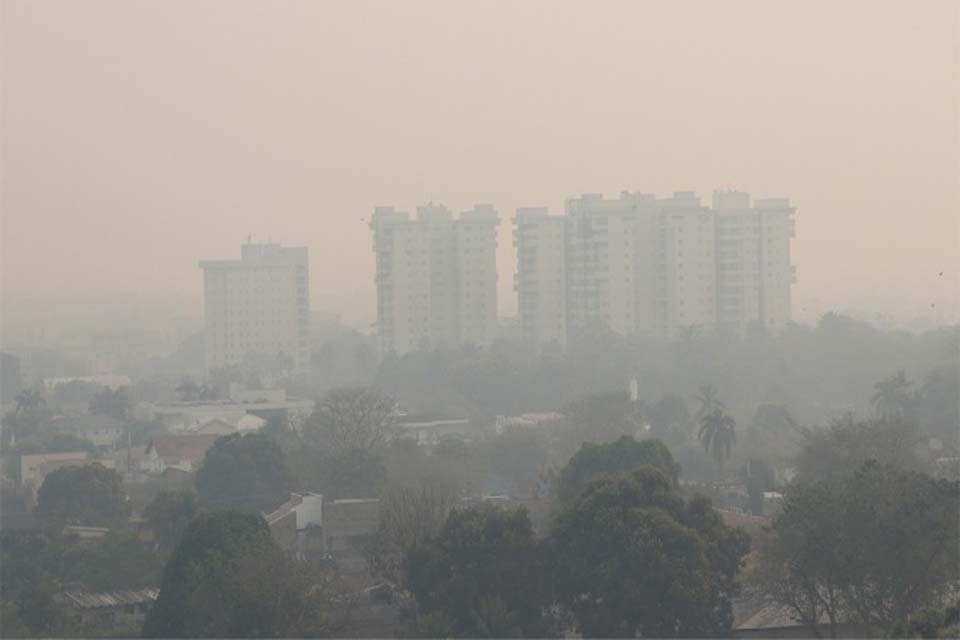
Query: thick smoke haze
(141, 137)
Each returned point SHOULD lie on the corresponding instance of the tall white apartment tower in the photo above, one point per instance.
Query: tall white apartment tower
(259, 304)
(686, 275)
(754, 273)
(476, 271)
(436, 278)
(605, 240)
(541, 279)
(639, 264)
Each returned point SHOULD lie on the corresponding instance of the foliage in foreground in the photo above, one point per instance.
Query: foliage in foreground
(631, 557)
(873, 547)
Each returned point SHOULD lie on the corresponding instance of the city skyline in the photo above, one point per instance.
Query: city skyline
(194, 139)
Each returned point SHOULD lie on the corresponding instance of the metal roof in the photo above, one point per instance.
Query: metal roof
(107, 599)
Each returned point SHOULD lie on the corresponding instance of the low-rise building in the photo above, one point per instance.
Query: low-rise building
(296, 525)
(103, 606)
(105, 432)
(184, 452)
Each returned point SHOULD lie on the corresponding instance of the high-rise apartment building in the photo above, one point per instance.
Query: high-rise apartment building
(541, 278)
(436, 278)
(257, 305)
(639, 264)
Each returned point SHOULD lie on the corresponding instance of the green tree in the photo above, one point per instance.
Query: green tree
(356, 418)
(111, 402)
(485, 573)
(169, 513)
(244, 472)
(669, 417)
(621, 456)
(717, 435)
(27, 591)
(603, 417)
(86, 495)
(893, 398)
(846, 444)
(933, 622)
(874, 546)
(119, 561)
(409, 516)
(632, 558)
(227, 578)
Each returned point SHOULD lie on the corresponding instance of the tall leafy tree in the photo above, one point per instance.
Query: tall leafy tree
(621, 456)
(632, 558)
(602, 417)
(246, 472)
(86, 495)
(169, 513)
(409, 516)
(227, 578)
(873, 547)
(847, 443)
(485, 573)
(111, 402)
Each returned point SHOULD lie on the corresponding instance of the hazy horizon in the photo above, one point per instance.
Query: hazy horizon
(140, 138)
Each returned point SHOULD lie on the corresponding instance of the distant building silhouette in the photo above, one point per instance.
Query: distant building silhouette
(436, 278)
(655, 266)
(257, 305)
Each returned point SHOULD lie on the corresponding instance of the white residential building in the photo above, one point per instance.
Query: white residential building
(436, 278)
(258, 304)
(540, 281)
(639, 264)
(476, 255)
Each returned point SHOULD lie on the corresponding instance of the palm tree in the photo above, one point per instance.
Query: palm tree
(709, 401)
(892, 396)
(28, 400)
(717, 434)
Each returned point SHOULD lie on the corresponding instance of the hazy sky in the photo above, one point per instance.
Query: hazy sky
(141, 137)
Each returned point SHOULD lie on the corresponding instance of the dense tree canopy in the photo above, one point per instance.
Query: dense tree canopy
(603, 417)
(227, 578)
(89, 495)
(632, 558)
(485, 573)
(873, 546)
(244, 472)
(620, 456)
(847, 443)
(169, 513)
(111, 402)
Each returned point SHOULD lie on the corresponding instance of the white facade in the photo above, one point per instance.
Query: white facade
(638, 264)
(259, 305)
(476, 254)
(540, 281)
(436, 278)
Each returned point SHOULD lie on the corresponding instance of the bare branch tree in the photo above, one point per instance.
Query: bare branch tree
(357, 418)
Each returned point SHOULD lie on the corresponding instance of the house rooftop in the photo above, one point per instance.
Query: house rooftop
(81, 599)
(182, 447)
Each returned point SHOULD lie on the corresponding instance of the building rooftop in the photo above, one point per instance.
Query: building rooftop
(107, 599)
(182, 447)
